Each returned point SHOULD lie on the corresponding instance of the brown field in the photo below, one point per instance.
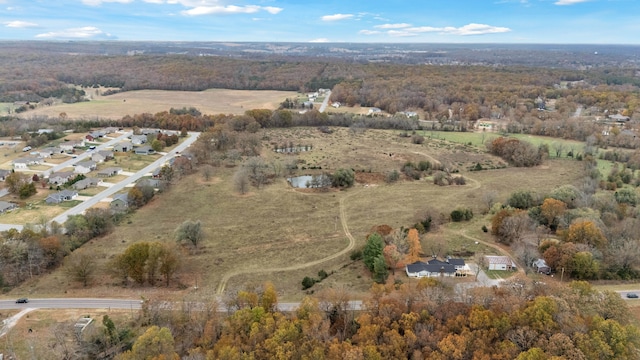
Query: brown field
(213, 101)
(280, 228)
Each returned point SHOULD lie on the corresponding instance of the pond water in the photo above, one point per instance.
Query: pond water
(305, 181)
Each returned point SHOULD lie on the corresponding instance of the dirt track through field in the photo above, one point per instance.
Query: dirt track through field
(350, 246)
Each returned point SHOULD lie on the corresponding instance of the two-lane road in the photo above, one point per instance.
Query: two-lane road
(73, 303)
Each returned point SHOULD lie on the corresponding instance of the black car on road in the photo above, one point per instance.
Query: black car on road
(22, 301)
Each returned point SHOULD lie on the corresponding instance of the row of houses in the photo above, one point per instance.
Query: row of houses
(450, 267)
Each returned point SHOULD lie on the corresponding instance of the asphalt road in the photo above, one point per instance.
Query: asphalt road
(73, 303)
(82, 207)
(323, 107)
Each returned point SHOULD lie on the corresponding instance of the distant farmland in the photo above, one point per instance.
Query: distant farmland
(213, 101)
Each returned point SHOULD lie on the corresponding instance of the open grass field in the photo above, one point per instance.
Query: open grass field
(277, 227)
(213, 101)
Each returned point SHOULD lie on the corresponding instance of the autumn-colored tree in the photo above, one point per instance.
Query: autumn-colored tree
(269, 298)
(415, 248)
(392, 257)
(586, 232)
(155, 344)
(551, 210)
(81, 267)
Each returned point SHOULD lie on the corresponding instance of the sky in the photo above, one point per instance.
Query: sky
(362, 21)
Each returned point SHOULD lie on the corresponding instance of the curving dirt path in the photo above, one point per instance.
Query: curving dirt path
(352, 242)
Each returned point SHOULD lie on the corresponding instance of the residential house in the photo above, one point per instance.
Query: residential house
(68, 146)
(86, 183)
(85, 167)
(7, 206)
(49, 152)
(541, 266)
(374, 111)
(4, 173)
(157, 173)
(24, 163)
(102, 156)
(336, 104)
(60, 177)
(146, 132)
(64, 195)
(97, 134)
(89, 137)
(500, 263)
(109, 172)
(120, 202)
(421, 269)
(110, 130)
(462, 269)
(144, 150)
(124, 146)
(45, 131)
(138, 139)
(154, 183)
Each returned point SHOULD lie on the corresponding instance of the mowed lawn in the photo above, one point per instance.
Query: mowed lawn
(213, 101)
(277, 226)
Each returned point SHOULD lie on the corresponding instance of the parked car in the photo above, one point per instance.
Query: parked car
(632, 295)
(22, 301)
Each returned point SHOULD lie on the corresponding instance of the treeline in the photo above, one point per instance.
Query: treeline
(471, 92)
(423, 320)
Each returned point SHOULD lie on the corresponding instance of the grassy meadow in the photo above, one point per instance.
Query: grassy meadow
(278, 233)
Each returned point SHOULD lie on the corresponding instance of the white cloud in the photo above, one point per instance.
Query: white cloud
(368, 32)
(569, 2)
(230, 9)
(87, 32)
(272, 9)
(320, 40)
(20, 24)
(469, 29)
(393, 26)
(100, 2)
(336, 17)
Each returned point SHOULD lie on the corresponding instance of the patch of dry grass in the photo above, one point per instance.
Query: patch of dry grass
(213, 101)
(278, 227)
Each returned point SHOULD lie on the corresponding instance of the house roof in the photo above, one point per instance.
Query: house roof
(420, 266)
(62, 174)
(86, 164)
(540, 263)
(110, 170)
(493, 259)
(122, 197)
(27, 160)
(145, 148)
(4, 172)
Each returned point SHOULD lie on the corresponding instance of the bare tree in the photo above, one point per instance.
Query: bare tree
(81, 267)
(489, 198)
(207, 172)
(557, 147)
(241, 181)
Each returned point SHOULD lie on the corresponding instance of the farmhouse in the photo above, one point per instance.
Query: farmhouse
(123, 146)
(64, 195)
(500, 263)
(144, 150)
(60, 177)
(109, 172)
(85, 167)
(7, 206)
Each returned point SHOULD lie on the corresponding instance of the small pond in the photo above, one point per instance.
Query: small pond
(308, 181)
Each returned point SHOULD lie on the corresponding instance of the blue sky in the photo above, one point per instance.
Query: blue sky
(395, 21)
